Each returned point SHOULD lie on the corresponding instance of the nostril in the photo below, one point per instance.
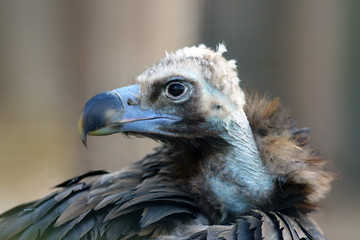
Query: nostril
(131, 102)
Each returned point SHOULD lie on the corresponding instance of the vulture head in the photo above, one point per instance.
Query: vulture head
(234, 151)
(191, 94)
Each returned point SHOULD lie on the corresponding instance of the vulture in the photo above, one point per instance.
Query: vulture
(232, 163)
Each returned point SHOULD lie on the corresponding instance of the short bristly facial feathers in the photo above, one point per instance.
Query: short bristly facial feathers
(212, 94)
(208, 92)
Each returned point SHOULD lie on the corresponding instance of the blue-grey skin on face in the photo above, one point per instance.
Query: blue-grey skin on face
(119, 111)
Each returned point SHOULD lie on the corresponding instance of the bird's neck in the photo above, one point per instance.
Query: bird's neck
(237, 177)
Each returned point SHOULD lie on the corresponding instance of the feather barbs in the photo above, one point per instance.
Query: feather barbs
(286, 153)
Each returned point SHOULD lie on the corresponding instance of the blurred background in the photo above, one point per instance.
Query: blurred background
(55, 55)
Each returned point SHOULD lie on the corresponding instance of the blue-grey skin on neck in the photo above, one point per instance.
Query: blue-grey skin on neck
(244, 181)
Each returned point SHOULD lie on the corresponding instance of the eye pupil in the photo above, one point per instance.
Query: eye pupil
(176, 89)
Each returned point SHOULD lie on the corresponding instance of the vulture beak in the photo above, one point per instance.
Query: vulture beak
(120, 110)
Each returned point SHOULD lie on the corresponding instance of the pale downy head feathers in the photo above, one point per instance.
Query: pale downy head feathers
(204, 65)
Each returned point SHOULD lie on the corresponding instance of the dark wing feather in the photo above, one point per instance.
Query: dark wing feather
(12, 211)
(264, 226)
(285, 231)
(294, 226)
(154, 214)
(222, 232)
(58, 232)
(39, 226)
(243, 230)
(138, 202)
(82, 228)
(269, 230)
(79, 178)
(310, 228)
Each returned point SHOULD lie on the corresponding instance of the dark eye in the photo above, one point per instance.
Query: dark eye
(176, 90)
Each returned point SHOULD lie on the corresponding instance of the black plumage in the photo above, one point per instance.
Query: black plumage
(231, 166)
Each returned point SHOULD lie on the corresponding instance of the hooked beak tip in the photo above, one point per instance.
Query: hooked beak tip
(83, 140)
(99, 113)
(82, 133)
